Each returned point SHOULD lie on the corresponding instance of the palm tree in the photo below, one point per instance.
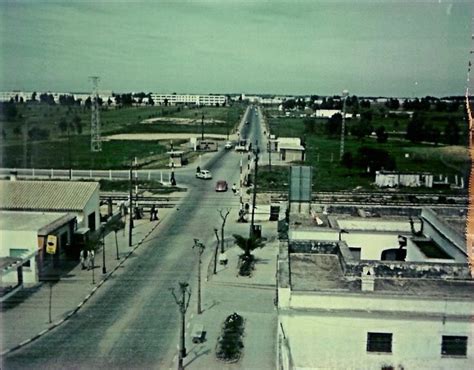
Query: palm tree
(248, 244)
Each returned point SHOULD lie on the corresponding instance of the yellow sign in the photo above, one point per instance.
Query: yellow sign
(51, 244)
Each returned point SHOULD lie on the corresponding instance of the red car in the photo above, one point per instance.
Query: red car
(221, 185)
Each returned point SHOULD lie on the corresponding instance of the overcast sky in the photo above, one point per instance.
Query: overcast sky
(377, 47)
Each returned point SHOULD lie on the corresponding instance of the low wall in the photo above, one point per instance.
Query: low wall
(352, 267)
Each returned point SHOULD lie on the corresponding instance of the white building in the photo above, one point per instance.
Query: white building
(342, 307)
(23, 244)
(410, 179)
(78, 198)
(173, 99)
(328, 113)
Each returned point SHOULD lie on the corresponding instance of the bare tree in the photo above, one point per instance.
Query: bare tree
(216, 250)
(223, 215)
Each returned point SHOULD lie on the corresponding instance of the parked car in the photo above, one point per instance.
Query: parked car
(204, 174)
(228, 145)
(221, 185)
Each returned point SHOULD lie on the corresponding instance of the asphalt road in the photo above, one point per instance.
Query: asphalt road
(132, 322)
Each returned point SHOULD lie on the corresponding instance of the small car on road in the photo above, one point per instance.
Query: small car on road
(221, 185)
(204, 174)
(228, 145)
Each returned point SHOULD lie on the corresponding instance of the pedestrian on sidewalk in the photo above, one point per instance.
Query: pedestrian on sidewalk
(90, 259)
(83, 258)
(152, 213)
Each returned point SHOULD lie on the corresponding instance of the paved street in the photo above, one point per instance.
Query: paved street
(132, 321)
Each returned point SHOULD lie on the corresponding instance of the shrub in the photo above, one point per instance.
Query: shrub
(229, 345)
(247, 263)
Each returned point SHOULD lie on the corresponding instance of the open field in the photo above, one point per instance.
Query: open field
(49, 148)
(323, 154)
(55, 154)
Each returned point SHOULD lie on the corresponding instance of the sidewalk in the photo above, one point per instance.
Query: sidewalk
(226, 293)
(25, 316)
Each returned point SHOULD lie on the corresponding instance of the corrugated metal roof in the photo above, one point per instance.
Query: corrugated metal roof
(46, 195)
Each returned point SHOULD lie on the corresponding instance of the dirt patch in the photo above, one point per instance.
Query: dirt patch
(181, 121)
(167, 136)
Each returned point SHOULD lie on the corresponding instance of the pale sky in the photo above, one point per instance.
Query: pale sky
(377, 47)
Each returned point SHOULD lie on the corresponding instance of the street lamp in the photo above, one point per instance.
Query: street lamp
(342, 231)
(345, 93)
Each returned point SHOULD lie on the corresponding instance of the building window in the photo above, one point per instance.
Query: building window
(453, 345)
(379, 342)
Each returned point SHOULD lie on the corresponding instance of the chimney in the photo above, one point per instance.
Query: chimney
(367, 279)
(13, 175)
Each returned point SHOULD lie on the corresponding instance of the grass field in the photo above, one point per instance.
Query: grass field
(53, 151)
(329, 175)
(55, 154)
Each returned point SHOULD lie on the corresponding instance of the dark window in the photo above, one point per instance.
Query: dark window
(454, 345)
(91, 221)
(379, 342)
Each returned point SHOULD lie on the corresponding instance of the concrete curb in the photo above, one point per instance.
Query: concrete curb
(86, 298)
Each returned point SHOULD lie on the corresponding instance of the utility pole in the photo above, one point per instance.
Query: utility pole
(69, 152)
(345, 93)
(183, 305)
(130, 224)
(202, 127)
(256, 151)
(200, 247)
(269, 152)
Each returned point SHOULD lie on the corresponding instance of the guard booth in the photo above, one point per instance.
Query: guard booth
(176, 158)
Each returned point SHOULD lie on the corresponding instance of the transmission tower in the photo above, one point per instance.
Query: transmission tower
(96, 142)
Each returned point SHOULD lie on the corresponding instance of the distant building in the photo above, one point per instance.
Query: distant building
(328, 113)
(375, 294)
(410, 179)
(188, 99)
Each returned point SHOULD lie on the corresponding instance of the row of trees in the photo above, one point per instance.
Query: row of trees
(417, 129)
(354, 104)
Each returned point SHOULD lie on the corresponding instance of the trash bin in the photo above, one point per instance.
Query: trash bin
(257, 231)
(274, 213)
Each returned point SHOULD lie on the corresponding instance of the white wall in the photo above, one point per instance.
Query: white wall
(91, 206)
(323, 340)
(24, 239)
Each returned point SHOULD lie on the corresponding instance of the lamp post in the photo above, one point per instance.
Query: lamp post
(200, 247)
(342, 231)
(183, 304)
(345, 93)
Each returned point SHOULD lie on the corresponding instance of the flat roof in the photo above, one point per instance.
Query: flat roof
(322, 272)
(29, 221)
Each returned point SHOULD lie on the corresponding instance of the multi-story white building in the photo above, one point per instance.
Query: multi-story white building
(173, 99)
(360, 293)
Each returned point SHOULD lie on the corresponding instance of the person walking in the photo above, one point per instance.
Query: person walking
(152, 213)
(90, 260)
(83, 258)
